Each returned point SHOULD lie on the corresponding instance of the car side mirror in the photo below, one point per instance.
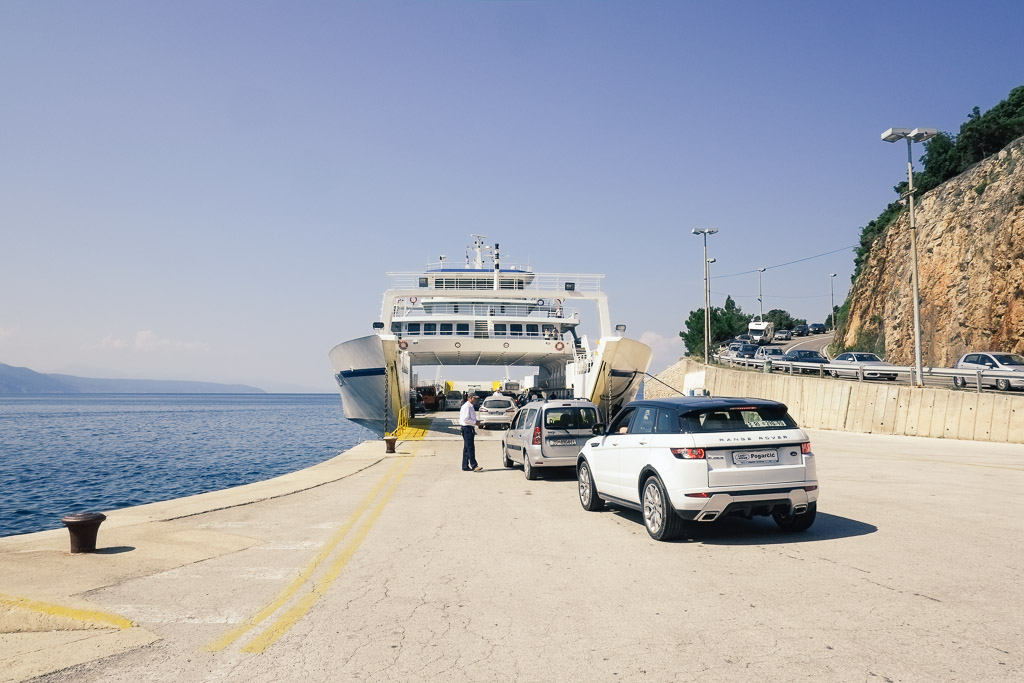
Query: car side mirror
(598, 429)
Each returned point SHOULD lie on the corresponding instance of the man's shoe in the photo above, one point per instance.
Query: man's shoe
(478, 469)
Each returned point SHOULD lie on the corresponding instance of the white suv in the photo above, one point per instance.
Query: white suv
(698, 459)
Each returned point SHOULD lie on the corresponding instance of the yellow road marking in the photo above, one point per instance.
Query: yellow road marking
(287, 620)
(293, 587)
(83, 615)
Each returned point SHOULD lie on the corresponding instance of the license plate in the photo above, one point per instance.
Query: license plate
(562, 442)
(754, 457)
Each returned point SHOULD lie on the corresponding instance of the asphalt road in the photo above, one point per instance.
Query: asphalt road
(912, 572)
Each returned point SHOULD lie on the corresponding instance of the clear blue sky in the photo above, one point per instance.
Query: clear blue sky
(214, 190)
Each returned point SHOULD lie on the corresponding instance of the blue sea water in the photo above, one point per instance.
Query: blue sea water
(99, 452)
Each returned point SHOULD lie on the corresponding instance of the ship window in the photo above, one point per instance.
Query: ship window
(430, 328)
(462, 329)
(532, 330)
(516, 329)
(413, 329)
(500, 329)
(455, 308)
(396, 328)
(446, 329)
(423, 282)
(549, 332)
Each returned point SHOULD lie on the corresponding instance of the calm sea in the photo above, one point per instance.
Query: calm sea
(99, 452)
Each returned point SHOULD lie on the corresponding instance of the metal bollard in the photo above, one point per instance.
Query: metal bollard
(390, 441)
(83, 527)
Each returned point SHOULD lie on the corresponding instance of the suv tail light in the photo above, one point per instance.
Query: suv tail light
(536, 436)
(805, 447)
(689, 453)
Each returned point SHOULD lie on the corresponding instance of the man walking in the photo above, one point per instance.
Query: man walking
(467, 420)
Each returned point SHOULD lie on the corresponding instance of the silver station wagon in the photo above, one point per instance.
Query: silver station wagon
(548, 434)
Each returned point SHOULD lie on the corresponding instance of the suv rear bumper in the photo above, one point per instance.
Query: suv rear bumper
(743, 503)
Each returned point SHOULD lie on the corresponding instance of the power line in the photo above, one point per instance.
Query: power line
(781, 265)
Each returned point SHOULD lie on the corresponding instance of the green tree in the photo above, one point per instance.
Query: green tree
(782, 319)
(726, 323)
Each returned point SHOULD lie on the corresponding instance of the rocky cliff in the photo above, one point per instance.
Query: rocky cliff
(970, 246)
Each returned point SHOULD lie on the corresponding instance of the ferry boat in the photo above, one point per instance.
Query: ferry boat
(484, 313)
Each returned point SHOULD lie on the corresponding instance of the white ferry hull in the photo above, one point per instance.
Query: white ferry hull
(370, 381)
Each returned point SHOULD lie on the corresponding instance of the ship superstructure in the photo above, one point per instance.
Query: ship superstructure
(485, 314)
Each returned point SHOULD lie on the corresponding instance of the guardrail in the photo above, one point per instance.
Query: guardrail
(979, 379)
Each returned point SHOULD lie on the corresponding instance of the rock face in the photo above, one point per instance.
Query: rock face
(970, 243)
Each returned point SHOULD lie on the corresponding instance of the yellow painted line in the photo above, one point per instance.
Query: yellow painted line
(82, 615)
(293, 587)
(287, 620)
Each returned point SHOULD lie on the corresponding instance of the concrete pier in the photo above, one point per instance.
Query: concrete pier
(402, 567)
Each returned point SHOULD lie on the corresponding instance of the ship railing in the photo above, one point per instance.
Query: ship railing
(481, 281)
(405, 309)
(448, 265)
(549, 335)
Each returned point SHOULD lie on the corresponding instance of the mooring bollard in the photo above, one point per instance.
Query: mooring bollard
(390, 441)
(83, 527)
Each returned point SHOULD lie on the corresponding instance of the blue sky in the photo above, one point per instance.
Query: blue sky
(215, 190)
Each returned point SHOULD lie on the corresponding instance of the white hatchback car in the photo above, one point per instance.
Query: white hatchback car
(698, 459)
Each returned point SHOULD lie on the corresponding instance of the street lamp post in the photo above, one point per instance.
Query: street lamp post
(707, 291)
(760, 303)
(912, 136)
(832, 295)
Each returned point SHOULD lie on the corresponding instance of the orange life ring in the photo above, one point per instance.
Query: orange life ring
(403, 345)
(559, 346)
(413, 299)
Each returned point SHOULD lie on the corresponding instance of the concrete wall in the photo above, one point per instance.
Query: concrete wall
(871, 407)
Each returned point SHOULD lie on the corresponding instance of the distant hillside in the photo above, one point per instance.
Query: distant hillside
(24, 381)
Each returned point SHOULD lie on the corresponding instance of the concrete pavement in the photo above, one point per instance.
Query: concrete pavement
(403, 567)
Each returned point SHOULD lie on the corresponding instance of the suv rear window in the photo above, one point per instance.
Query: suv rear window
(738, 419)
(570, 418)
(498, 404)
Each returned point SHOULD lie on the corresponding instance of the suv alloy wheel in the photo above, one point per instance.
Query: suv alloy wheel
(588, 492)
(662, 523)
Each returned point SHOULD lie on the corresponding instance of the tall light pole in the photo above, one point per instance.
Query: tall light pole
(912, 136)
(707, 291)
(760, 303)
(832, 295)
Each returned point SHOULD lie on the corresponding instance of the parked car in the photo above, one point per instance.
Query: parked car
(548, 434)
(453, 400)
(800, 331)
(495, 411)
(850, 363)
(816, 328)
(989, 361)
(681, 461)
(744, 352)
(744, 339)
(805, 356)
(783, 335)
(772, 353)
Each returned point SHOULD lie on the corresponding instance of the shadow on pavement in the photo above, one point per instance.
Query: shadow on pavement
(763, 530)
(114, 550)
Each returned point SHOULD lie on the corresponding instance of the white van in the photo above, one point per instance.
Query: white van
(761, 333)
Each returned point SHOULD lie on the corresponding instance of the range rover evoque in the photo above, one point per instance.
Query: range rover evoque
(685, 461)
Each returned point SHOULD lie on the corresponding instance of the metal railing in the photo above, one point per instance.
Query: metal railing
(482, 281)
(980, 380)
(485, 310)
(403, 423)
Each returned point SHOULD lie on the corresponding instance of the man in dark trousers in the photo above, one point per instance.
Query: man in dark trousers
(467, 421)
